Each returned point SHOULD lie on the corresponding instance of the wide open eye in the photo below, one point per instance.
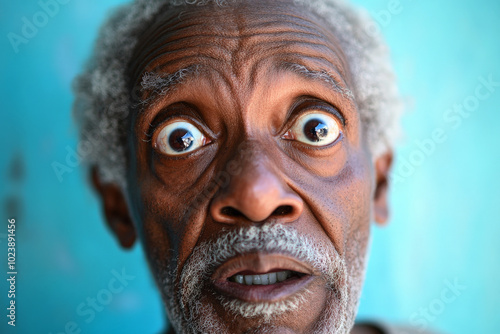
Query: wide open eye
(315, 129)
(179, 138)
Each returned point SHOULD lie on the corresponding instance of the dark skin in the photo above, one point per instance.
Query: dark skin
(243, 94)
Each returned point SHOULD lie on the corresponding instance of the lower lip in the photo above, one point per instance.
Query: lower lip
(263, 293)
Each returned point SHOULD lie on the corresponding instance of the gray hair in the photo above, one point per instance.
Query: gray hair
(183, 286)
(102, 98)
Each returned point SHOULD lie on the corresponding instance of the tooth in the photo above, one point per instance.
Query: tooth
(272, 278)
(281, 275)
(264, 279)
(248, 279)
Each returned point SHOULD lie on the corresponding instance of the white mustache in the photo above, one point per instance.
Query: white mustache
(274, 238)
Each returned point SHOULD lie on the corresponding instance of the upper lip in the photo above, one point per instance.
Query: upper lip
(258, 263)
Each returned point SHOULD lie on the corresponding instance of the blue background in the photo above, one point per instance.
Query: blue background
(445, 225)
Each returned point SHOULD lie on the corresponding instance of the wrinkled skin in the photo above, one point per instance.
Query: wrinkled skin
(243, 95)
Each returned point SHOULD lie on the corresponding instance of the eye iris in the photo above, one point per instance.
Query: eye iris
(181, 140)
(316, 130)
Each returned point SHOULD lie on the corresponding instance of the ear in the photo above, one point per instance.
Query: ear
(115, 210)
(380, 202)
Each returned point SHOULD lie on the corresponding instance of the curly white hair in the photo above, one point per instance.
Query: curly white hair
(102, 98)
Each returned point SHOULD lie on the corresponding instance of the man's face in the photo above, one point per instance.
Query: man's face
(250, 182)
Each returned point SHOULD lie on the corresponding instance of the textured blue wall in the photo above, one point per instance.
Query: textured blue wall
(445, 199)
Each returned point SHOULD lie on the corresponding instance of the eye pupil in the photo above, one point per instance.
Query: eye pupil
(315, 130)
(181, 140)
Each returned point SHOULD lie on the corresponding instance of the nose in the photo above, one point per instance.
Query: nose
(256, 194)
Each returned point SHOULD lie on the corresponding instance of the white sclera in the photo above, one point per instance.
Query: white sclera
(163, 145)
(328, 120)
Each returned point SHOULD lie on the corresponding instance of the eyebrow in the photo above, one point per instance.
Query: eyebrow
(321, 76)
(160, 84)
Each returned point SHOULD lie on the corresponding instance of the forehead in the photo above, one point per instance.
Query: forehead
(238, 40)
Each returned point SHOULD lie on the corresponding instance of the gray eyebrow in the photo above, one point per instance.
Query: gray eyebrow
(159, 84)
(321, 75)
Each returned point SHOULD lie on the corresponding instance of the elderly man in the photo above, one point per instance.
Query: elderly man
(247, 145)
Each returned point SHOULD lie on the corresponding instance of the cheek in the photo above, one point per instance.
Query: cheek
(157, 244)
(168, 223)
(341, 204)
(155, 229)
(356, 204)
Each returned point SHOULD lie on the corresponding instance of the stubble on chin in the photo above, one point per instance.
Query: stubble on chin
(190, 312)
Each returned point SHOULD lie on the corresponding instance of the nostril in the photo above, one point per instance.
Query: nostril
(231, 212)
(283, 210)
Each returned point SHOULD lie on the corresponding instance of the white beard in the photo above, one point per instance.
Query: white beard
(189, 314)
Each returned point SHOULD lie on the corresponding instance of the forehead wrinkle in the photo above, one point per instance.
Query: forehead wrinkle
(156, 56)
(304, 49)
(215, 51)
(297, 27)
(301, 52)
(286, 25)
(252, 48)
(168, 24)
(184, 54)
(258, 29)
(290, 36)
(202, 60)
(276, 26)
(298, 41)
(209, 47)
(296, 63)
(222, 54)
(150, 37)
(236, 35)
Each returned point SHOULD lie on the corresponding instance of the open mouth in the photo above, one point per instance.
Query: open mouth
(265, 279)
(262, 277)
